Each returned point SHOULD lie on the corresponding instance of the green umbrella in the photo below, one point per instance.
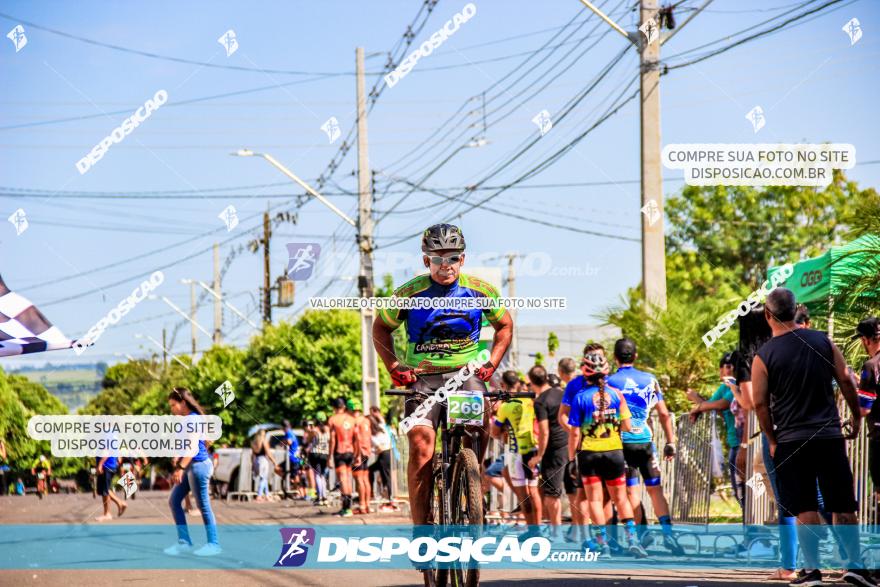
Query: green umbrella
(815, 281)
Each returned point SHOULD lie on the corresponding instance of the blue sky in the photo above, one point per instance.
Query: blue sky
(812, 85)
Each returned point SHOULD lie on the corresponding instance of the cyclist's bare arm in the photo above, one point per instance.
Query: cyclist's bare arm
(501, 340)
(574, 441)
(496, 431)
(383, 342)
(625, 424)
(666, 421)
(563, 416)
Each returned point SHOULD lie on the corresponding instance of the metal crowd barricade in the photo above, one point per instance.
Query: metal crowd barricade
(759, 509)
(762, 509)
(686, 480)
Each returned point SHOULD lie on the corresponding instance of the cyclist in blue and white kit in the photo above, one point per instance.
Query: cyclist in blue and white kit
(642, 393)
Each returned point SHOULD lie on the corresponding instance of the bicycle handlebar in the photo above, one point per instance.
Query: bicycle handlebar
(499, 394)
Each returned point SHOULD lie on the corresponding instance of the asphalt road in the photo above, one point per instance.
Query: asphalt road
(152, 508)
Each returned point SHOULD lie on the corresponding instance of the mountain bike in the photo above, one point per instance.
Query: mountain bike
(457, 497)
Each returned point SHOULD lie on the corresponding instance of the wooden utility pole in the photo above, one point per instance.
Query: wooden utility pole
(653, 242)
(267, 282)
(218, 299)
(369, 361)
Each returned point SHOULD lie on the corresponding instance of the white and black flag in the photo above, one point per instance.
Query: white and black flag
(24, 329)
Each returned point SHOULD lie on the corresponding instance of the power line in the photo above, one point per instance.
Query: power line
(540, 167)
(161, 57)
(752, 37)
(171, 104)
(513, 109)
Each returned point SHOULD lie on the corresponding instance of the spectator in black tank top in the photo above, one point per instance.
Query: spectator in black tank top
(794, 401)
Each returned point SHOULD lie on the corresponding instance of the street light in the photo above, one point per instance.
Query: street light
(291, 175)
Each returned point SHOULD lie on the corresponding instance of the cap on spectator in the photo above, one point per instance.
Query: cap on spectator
(726, 359)
(869, 327)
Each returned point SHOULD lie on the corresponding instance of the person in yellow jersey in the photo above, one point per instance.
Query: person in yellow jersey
(516, 417)
(597, 416)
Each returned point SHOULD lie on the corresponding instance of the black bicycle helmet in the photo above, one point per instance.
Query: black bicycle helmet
(442, 237)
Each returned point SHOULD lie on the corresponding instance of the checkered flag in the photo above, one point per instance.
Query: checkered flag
(24, 329)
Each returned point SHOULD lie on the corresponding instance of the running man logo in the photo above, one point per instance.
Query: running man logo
(651, 210)
(542, 119)
(19, 221)
(854, 30)
(756, 117)
(226, 393)
(294, 543)
(229, 216)
(756, 484)
(651, 31)
(331, 127)
(19, 39)
(129, 484)
(303, 258)
(229, 42)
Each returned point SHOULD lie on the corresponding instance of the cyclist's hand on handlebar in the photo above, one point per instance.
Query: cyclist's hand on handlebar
(485, 372)
(402, 376)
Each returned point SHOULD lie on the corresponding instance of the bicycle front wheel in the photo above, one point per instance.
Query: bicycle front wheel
(466, 508)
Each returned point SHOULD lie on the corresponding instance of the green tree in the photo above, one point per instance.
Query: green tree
(552, 343)
(669, 342)
(723, 238)
(539, 358)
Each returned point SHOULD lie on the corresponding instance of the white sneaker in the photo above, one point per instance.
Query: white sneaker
(179, 548)
(209, 550)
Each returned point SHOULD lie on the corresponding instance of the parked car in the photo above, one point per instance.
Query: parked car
(232, 466)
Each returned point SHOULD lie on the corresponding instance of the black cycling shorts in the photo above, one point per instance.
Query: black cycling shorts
(553, 469)
(428, 384)
(799, 464)
(318, 462)
(874, 461)
(343, 459)
(572, 478)
(360, 463)
(641, 458)
(607, 465)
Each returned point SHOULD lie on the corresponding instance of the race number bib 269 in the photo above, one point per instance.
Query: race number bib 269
(465, 407)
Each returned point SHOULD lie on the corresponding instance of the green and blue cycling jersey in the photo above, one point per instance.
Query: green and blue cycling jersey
(641, 392)
(442, 340)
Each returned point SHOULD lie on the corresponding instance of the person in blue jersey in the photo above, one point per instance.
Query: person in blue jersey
(642, 393)
(191, 474)
(106, 469)
(440, 341)
(597, 416)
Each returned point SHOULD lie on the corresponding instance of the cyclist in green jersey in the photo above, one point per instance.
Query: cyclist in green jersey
(440, 341)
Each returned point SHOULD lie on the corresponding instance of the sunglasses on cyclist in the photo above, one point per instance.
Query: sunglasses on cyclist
(448, 259)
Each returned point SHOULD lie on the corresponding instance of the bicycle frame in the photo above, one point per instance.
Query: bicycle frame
(451, 442)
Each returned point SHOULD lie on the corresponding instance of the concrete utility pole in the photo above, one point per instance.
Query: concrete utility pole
(218, 299)
(164, 350)
(193, 308)
(267, 281)
(653, 242)
(511, 293)
(369, 361)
